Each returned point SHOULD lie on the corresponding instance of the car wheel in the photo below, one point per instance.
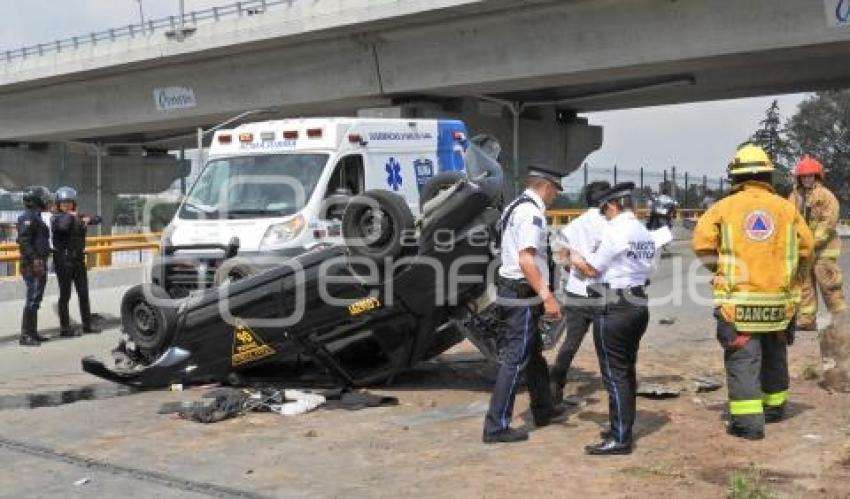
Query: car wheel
(437, 184)
(376, 223)
(148, 317)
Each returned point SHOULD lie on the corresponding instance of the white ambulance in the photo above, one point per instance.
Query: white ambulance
(266, 186)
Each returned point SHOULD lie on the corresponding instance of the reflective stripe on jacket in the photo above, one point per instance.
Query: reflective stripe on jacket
(756, 242)
(820, 209)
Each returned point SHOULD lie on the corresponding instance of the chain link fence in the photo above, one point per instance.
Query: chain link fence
(691, 191)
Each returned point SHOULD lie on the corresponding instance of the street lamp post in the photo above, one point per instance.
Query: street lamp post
(141, 15)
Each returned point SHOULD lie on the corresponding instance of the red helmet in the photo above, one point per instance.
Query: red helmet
(808, 166)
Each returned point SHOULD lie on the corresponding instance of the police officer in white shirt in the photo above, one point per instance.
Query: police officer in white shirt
(622, 265)
(523, 282)
(582, 235)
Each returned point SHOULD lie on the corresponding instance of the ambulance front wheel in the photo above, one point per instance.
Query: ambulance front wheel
(377, 225)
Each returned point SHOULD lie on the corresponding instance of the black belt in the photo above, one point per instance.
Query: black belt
(519, 286)
(598, 290)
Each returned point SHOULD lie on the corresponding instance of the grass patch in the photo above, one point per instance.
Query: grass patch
(748, 484)
(656, 471)
(811, 373)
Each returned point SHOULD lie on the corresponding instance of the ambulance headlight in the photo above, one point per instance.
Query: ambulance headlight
(278, 235)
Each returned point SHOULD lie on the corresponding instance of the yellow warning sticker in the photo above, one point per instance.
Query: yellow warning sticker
(247, 346)
(363, 306)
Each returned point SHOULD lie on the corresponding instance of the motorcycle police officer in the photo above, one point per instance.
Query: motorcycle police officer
(34, 247)
(621, 265)
(69, 241)
(522, 282)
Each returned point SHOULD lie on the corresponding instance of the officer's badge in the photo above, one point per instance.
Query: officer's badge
(759, 225)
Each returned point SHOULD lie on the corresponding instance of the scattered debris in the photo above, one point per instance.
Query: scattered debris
(835, 351)
(575, 400)
(82, 481)
(443, 414)
(706, 383)
(658, 390)
(667, 320)
(311, 434)
(812, 436)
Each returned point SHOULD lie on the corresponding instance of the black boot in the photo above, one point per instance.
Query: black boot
(29, 338)
(34, 327)
(609, 447)
(509, 435)
(89, 328)
(69, 332)
(745, 433)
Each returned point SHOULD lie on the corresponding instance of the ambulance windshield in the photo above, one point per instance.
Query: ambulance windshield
(254, 186)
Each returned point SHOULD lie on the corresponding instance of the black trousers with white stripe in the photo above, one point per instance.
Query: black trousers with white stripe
(521, 360)
(618, 327)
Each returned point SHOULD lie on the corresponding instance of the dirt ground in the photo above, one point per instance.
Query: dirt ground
(430, 444)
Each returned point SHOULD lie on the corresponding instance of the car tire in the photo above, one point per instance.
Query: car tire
(233, 271)
(437, 184)
(377, 235)
(150, 326)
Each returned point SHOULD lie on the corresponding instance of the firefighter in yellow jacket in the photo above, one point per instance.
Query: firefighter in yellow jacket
(756, 244)
(820, 210)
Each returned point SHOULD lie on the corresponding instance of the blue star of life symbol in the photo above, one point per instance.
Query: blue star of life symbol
(393, 174)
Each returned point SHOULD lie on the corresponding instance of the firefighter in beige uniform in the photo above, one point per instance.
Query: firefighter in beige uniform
(820, 209)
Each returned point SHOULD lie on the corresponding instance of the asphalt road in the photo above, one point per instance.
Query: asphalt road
(59, 426)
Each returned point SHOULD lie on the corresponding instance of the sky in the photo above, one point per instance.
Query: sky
(699, 138)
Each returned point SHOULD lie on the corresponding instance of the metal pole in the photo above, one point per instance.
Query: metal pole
(201, 147)
(515, 110)
(141, 15)
(687, 190)
(182, 178)
(182, 14)
(585, 175)
(641, 185)
(673, 186)
(615, 174)
(99, 150)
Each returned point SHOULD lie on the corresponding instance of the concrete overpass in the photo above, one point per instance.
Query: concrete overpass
(334, 56)
(518, 69)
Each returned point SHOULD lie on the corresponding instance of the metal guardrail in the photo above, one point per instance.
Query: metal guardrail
(565, 216)
(99, 249)
(170, 23)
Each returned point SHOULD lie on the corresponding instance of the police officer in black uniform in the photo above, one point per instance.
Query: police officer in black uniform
(69, 259)
(523, 282)
(34, 247)
(621, 265)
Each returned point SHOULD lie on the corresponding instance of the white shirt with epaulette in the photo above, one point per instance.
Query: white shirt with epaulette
(626, 253)
(525, 229)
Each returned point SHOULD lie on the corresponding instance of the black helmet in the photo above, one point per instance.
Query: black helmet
(36, 196)
(66, 194)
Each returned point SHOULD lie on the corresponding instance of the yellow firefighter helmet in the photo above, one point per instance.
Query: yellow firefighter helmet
(749, 159)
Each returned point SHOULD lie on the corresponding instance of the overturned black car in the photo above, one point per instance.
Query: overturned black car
(400, 292)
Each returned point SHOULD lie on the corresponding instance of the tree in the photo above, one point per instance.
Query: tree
(771, 137)
(821, 128)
